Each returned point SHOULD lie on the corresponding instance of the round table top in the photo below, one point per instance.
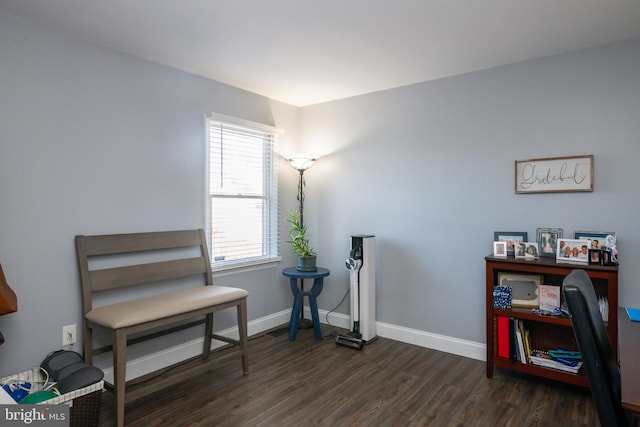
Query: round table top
(295, 273)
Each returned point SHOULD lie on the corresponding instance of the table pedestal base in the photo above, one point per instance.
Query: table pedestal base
(296, 322)
(305, 323)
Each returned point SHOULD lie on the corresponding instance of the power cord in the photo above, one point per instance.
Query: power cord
(333, 332)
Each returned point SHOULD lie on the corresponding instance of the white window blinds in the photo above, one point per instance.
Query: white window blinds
(242, 194)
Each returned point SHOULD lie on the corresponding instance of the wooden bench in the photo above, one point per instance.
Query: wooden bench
(105, 264)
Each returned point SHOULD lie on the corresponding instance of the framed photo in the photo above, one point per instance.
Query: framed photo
(511, 238)
(520, 248)
(554, 174)
(596, 238)
(526, 250)
(530, 250)
(525, 288)
(595, 257)
(500, 249)
(573, 250)
(547, 239)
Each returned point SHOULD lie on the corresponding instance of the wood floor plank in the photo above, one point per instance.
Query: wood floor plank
(316, 383)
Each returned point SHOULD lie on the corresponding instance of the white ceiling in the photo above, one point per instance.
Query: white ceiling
(305, 52)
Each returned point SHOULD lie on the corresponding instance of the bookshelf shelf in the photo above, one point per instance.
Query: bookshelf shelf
(547, 332)
(576, 379)
(524, 313)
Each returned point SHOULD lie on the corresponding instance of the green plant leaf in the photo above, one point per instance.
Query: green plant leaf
(298, 235)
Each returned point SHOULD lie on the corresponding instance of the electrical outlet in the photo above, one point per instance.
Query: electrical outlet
(69, 335)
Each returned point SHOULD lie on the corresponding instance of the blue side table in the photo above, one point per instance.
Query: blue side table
(298, 293)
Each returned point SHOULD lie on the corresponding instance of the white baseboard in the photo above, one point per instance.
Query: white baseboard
(154, 361)
(470, 349)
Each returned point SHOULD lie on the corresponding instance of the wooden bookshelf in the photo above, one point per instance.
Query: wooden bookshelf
(547, 332)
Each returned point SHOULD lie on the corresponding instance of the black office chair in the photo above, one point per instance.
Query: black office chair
(597, 354)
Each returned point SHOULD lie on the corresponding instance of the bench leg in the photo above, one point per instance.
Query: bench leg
(207, 335)
(87, 343)
(242, 334)
(119, 375)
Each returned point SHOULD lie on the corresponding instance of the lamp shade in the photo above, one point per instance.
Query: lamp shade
(301, 162)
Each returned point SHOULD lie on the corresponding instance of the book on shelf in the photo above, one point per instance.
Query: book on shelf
(603, 304)
(542, 358)
(527, 345)
(526, 350)
(503, 336)
(522, 356)
(513, 341)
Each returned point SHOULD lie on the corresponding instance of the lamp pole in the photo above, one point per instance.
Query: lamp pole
(301, 163)
(301, 196)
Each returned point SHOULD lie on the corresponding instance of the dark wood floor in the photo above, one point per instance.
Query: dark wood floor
(316, 383)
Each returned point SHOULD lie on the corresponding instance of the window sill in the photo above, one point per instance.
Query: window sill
(241, 267)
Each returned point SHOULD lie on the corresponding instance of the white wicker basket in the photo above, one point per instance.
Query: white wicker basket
(84, 402)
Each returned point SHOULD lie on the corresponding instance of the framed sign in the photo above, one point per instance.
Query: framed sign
(554, 174)
(524, 288)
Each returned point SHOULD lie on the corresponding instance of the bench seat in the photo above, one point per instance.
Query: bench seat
(145, 310)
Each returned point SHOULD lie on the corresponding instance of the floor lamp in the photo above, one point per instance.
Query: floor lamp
(301, 162)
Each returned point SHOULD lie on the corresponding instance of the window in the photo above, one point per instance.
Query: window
(242, 196)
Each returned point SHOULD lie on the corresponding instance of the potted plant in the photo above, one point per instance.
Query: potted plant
(300, 243)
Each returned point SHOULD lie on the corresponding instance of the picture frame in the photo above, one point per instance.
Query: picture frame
(525, 288)
(531, 250)
(595, 257)
(547, 239)
(500, 249)
(554, 174)
(520, 249)
(526, 250)
(597, 238)
(573, 250)
(511, 238)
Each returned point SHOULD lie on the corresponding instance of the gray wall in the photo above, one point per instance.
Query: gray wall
(94, 141)
(429, 169)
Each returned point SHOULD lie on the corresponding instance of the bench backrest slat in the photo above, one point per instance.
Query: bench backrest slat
(119, 277)
(139, 242)
(101, 279)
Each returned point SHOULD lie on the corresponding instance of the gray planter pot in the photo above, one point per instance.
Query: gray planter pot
(307, 263)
